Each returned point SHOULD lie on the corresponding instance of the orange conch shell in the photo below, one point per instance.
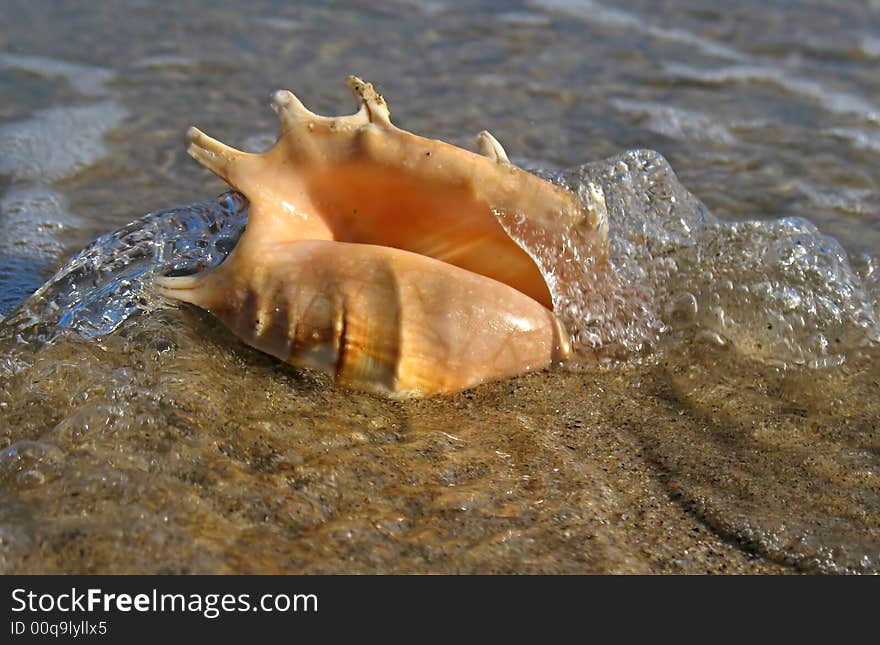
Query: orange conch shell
(378, 256)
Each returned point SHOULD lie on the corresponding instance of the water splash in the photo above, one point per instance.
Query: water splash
(106, 283)
(778, 291)
(85, 79)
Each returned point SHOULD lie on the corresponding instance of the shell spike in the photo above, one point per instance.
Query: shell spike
(222, 160)
(490, 147)
(175, 283)
(189, 288)
(289, 108)
(369, 98)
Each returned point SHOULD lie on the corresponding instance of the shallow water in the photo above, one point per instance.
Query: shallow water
(738, 433)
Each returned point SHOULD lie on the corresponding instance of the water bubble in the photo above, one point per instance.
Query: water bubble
(27, 464)
(711, 337)
(86, 421)
(685, 307)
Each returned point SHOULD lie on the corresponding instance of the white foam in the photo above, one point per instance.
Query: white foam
(849, 200)
(677, 123)
(590, 11)
(750, 69)
(859, 139)
(778, 291)
(281, 24)
(490, 79)
(524, 19)
(34, 220)
(85, 79)
(167, 62)
(870, 46)
(429, 7)
(831, 100)
(50, 146)
(57, 143)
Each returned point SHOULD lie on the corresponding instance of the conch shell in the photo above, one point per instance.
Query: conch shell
(378, 256)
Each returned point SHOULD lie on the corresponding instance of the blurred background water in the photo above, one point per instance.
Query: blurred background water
(735, 446)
